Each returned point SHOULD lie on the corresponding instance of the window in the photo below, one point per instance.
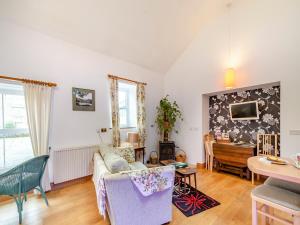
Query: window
(127, 105)
(15, 144)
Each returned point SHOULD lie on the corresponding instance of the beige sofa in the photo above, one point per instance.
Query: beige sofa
(125, 204)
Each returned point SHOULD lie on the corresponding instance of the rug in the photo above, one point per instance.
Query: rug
(193, 203)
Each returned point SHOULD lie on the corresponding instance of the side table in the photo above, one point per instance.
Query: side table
(138, 151)
(185, 173)
(182, 173)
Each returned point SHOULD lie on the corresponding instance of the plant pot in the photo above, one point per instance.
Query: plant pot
(166, 125)
(166, 136)
(166, 133)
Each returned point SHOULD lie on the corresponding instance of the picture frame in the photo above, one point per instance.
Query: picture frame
(83, 99)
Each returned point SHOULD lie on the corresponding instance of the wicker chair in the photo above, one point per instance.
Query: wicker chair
(22, 179)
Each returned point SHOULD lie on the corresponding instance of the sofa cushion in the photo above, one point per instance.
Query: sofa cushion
(114, 162)
(104, 148)
(126, 152)
(137, 166)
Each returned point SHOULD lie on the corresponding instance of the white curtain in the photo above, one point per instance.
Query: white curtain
(38, 102)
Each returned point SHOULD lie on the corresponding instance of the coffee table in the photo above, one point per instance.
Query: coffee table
(183, 174)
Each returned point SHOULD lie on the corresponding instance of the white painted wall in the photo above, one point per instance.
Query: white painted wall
(265, 48)
(30, 54)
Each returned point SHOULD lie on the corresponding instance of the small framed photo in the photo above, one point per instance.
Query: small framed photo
(83, 99)
(225, 136)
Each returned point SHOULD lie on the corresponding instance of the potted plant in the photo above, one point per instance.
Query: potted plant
(167, 115)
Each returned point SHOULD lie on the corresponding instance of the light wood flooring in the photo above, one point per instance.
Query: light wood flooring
(76, 205)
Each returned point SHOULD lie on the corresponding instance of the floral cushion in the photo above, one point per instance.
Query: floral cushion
(126, 152)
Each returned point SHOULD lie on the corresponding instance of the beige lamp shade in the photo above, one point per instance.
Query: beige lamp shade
(230, 78)
(133, 137)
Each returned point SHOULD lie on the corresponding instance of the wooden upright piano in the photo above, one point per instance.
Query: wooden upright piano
(232, 157)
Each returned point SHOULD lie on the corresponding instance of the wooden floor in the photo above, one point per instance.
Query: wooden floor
(76, 205)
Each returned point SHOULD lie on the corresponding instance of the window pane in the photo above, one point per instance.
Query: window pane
(122, 99)
(127, 103)
(15, 143)
(14, 111)
(123, 117)
(17, 151)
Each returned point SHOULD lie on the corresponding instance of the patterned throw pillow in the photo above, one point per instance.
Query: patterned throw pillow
(126, 152)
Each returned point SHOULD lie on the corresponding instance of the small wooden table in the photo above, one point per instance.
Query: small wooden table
(233, 157)
(183, 173)
(259, 165)
(187, 172)
(138, 150)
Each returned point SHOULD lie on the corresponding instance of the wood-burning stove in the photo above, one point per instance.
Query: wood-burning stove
(166, 150)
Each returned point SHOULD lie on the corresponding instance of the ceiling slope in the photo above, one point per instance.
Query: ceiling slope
(149, 33)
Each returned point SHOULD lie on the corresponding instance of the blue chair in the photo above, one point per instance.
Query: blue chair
(22, 179)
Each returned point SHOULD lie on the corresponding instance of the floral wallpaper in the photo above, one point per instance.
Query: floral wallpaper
(246, 130)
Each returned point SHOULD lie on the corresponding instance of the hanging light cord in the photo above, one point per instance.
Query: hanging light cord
(229, 4)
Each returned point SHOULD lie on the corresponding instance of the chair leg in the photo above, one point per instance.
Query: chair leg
(19, 203)
(43, 194)
(211, 163)
(296, 220)
(254, 212)
(258, 177)
(264, 218)
(271, 212)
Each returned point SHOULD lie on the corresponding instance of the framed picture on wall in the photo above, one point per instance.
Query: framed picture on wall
(83, 99)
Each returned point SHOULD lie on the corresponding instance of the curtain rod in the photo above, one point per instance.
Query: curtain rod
(28, 81)
(121, 78)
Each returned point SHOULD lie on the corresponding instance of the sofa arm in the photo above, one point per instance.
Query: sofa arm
(126, 205)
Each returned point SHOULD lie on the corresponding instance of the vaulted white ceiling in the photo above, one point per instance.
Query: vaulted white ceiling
(149, 33)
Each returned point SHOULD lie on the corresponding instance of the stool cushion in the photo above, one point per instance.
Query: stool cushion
(278, 196)
(294, 187)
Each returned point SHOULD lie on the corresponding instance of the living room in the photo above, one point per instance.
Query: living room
(87, 51)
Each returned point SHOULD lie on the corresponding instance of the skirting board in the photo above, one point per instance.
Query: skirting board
(55, 187)
(4, 198)
(200, 165)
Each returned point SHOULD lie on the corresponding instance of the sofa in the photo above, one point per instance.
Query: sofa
(125, 204)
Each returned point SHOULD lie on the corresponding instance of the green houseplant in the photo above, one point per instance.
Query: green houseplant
(167, 115)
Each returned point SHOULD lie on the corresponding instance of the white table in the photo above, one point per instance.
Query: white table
(259, 165)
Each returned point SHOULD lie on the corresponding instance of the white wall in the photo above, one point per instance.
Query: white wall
(265, 48)
(30, 54)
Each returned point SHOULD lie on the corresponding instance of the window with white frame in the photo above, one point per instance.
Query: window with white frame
(127, 105)
(15, 143)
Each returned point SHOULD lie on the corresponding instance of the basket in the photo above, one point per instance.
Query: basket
(180, 156)
(153, 157)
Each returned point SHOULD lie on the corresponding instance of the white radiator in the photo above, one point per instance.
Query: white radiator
(72, 163)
